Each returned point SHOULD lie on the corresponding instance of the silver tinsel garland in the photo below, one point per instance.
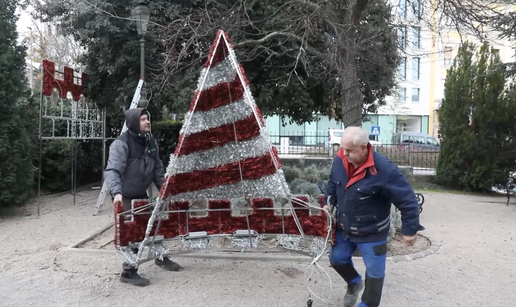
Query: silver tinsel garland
(201, 121)
(223, 72)
(218, 156)
(265, 187)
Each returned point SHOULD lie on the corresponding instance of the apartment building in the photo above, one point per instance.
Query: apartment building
(448, 41)
(409, 109)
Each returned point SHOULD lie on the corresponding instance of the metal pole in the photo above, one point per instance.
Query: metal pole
(74, 170)
(40, 138)
(74, 152)
(103, 143)
(142, 58)
(143, 94)
(31, 76)
(142, 68)
(71, 168)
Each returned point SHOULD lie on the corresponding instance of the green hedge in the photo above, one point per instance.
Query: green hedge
(56, 158)
(166, 134)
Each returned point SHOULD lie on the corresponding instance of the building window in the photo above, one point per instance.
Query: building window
(403, 9)
(402, 37)
(416, 9)
(496, 52)
(416, 38)
(402, 94)
(448, 56)
(402, 69)
(416, 65)
(415, 95)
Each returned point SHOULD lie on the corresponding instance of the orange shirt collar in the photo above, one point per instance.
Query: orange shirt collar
(355, 175)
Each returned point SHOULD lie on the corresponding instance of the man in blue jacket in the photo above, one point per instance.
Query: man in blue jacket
(362, 186)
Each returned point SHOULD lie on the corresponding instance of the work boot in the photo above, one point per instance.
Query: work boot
(132, 277)
(351, 297)
(373, 291)
(168, 264)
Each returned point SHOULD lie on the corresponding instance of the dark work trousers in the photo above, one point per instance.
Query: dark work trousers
(374, 255)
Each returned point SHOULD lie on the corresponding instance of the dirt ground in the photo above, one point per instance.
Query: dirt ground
(474, 266)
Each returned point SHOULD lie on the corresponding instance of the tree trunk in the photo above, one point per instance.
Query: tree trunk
(351, 99)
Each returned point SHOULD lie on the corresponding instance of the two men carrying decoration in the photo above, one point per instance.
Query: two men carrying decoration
(362, 185)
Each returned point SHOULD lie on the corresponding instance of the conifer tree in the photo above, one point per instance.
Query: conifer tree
(453, 117)
(475, 119)
(16, 170)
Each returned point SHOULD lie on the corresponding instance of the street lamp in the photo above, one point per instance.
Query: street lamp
(141, 15)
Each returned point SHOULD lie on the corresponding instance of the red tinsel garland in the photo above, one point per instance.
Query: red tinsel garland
(246, 129)
(222, 222)
(276, 157)
(219, 95)
(63, 86)
(219, 54)
(252, 168)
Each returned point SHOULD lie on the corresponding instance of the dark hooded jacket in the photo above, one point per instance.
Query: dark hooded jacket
(134, 162)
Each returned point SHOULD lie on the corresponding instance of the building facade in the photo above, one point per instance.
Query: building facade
(408, 110)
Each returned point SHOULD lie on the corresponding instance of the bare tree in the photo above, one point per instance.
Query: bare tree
(44, 41)
(314, 38)
(321, 39)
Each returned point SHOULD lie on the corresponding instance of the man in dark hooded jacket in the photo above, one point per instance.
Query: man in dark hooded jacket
(132, 167)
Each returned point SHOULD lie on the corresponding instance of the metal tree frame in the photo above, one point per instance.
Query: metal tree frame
(146, 217)
(62, 103)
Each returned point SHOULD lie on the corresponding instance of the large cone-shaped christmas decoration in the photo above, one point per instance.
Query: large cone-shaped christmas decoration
(223, 151)
(223, 155)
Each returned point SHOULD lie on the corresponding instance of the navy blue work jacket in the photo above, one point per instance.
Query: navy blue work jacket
(363, 204)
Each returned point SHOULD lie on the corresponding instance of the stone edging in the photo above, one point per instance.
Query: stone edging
(434, 247)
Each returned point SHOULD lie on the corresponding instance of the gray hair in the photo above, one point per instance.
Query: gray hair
(360, 135)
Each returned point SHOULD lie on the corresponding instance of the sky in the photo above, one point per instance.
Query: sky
(24, 22)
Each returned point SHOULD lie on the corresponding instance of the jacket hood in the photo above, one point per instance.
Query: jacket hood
(132, 119)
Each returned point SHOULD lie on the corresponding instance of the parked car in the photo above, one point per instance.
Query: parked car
(334, 136)
(416, 140)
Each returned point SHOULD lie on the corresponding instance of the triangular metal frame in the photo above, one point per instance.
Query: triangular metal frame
(160, 203)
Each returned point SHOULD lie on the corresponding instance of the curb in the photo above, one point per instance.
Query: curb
(78, 189)
(93, 235)
(434, 247)
(256, 256)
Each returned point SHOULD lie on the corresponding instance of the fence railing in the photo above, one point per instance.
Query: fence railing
(417, 156)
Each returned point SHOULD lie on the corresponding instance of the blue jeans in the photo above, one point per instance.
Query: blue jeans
(374, 257)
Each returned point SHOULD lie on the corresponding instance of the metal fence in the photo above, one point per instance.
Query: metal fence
(423, 159)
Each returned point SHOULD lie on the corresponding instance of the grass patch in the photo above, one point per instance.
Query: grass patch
(423, 184)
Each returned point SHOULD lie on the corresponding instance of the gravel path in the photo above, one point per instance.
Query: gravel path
(474, 266)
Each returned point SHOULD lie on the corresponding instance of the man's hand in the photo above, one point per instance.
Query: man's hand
(410, 240)
(118, 198)
(326, 207)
